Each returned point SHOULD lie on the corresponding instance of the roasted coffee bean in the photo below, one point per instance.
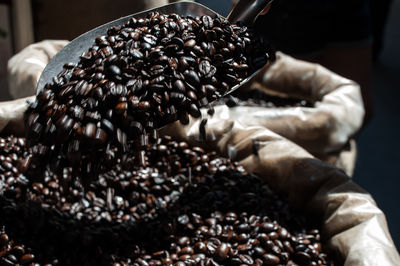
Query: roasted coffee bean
(211, 111)
(121, 107)
(173, 63)
(121, 137)
(202, 129)
(90, 130)
(113, 70)
(144, 106)
(156, 70)
(107, 125)
(179, 86)
(136, 53)
(156, 53)
(192, 77)
(246, 259)
(183, 241)
(302, 258)
(172, 49)
(206, 69)
(267, 227)
(211, 35)
(194, 111)
(157, 80)
(191, 94)
(100, 136)
(231, 101)
(222, 252)
(12, 258)
(207, 21)
(27, 258)
(189, 44)
(270, 259)
(259, 251)
(184, 118)
(3, 239)
(187, 251)
(178, 41)
(203, 101)
(184, 63)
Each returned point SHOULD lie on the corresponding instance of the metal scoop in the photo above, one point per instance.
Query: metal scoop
(245, 11)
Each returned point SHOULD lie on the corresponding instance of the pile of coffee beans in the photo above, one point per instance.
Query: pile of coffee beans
(12, 253)
(132, 81)
(185, 207)
(233, 239)
(256, 98)
(12, 150)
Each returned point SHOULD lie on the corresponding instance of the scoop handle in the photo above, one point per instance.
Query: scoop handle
(247, 11)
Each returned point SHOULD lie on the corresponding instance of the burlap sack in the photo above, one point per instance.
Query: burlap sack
(12, 116)
(338, 112)
(25, 68)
